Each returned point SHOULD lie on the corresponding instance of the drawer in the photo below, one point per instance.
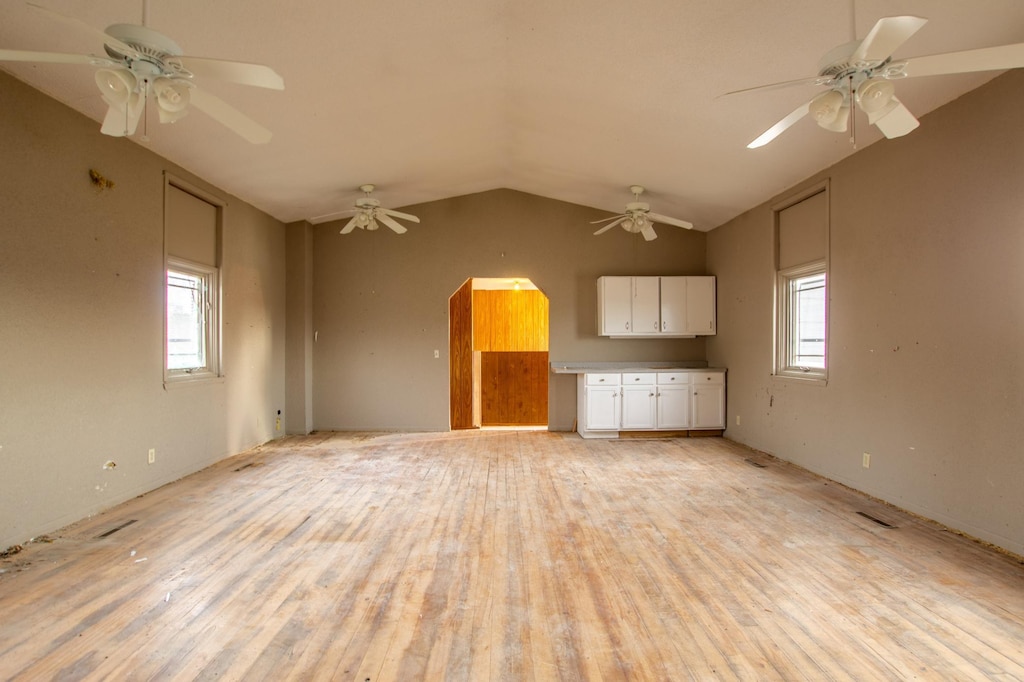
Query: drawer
(602, 379)
(639, 378)
(707, 378)
(673, 378)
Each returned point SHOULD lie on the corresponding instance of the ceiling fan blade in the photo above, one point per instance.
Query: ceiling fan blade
(232, 118)
(82, 27)
(780, 127)
(885, 38)
(257, 75)
(648, 232)
(617, 220)
(54, 58)
(658, 218)
(397, 214)
(349, 226)
(897, 121)
(390, 222)
(985, 59)
(604, 220)
(813, 80)
(328, 217)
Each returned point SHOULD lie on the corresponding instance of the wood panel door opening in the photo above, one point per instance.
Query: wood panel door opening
(498, 350)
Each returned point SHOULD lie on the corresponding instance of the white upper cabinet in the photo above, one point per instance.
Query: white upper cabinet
(700, 305)
(656, 306)
(674, 305)
(646, 309)
(615, 306)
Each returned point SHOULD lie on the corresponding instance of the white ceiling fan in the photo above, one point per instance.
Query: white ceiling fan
(140, 61)
(638, 218)
(862, 72)
(368, 215)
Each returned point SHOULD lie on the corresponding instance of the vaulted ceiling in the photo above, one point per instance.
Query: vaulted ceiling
(570, 99)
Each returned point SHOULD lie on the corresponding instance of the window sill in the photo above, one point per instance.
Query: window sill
(808, 378)
(171, 383)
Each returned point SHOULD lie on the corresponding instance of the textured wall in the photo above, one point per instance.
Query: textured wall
(81, 324)
(926, 296)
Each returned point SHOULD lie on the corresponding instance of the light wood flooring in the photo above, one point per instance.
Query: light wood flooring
(506, 555)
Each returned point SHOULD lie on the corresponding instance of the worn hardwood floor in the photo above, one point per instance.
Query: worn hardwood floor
(507, 555)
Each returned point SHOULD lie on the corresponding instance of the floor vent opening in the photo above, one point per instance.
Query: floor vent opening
(116, 528)
(754, 464)
(880, 522)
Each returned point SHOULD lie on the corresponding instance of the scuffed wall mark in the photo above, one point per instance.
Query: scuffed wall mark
(101, 182)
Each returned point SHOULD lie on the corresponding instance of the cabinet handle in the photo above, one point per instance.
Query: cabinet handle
(627, 326)
(652, 395)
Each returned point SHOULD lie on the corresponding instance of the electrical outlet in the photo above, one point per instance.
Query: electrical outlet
(737, 420)
(437, 354)
(866, 461)
(152, 455)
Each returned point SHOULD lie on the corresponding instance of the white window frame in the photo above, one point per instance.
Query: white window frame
(209, 277)
(785, 322)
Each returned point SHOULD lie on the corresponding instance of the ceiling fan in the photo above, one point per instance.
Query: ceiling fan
(638, 218)
(861, 72)
(140, 61)
(368, 215)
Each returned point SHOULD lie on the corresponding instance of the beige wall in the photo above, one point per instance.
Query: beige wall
(81, 324)
(380, 301)
(926, 322)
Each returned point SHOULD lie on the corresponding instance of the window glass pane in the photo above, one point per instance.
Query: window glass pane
(807, 305)
(186, 321)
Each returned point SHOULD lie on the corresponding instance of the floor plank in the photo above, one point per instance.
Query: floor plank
(508, 555)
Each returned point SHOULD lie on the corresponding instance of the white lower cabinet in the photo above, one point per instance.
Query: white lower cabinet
(708, 400)
(644, 401)
(673, 400)
(601, 406)
(638, 401)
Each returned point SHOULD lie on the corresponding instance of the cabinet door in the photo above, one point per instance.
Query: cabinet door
(614, 305)
(673, 305)
(674, 407)
(602, 407)
(646, 305)
(708, 407)
(700, 305)
(638, 407)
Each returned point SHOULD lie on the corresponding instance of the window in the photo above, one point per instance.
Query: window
(802, 323)
(193, 329)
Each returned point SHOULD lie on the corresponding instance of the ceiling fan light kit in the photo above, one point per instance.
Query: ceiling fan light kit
(369, 215)
(861, 73)
(639, 219)
(140, 61)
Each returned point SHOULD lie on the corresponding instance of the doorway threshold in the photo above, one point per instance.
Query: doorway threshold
(541, 427)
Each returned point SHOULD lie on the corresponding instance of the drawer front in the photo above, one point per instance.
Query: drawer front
(673, 378)
(639, 378)
(603, 379)
(707, 378)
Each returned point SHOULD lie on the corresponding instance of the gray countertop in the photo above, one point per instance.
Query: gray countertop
(566, 367)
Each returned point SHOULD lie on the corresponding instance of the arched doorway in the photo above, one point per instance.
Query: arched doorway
(498, 338)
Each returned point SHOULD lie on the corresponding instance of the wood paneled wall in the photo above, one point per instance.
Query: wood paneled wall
(460, 341)
(514, 388)
(506, 320)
